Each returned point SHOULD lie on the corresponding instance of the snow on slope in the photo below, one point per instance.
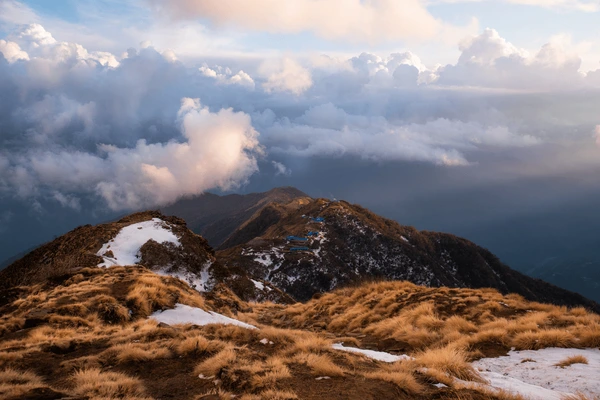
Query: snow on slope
(375, 355)
(197, 282)
(541, 379)
(126, 245)
(183, 314)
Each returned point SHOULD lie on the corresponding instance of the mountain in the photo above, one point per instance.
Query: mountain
(281, 245)
(337, 244)
(143, 308)
(162, 244)
(217, 217)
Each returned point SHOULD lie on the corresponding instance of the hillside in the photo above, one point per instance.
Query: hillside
(143, 308)
(350, 244)
(128, 333)
(217, 217)
(163, 244)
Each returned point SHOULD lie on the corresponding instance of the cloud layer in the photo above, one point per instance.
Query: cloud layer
(373, 20)
(143, 129)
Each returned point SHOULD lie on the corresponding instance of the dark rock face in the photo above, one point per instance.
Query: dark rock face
(352, 245)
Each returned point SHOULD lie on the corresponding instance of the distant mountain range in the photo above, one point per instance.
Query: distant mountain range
(284, 245)
(352, 245)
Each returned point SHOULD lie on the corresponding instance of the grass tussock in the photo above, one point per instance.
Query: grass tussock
(14, 383)
(320, 364)
(448, 360)
(213, 365)
(578, 359)
(405, 381)
(135, 352)
(113, 385)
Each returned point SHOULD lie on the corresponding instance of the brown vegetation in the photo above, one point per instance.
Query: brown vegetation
(578, 359)
(88, 335)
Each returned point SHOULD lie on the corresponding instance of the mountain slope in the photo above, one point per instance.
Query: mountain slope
(128, 333)
(217, 217)
(162, 244)
(352, 244)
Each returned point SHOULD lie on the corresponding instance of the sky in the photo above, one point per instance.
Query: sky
(478, 118)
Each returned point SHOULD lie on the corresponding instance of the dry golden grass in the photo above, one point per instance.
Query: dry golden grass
(403, 380)
(214, 364)
(448, 360)
(424, 318)
(275, 370)
(113, 385)
(135, 352)
(578, 359)
(320, 364)
(196, 345)
(543, 339)
(442, 328)
(15, 383)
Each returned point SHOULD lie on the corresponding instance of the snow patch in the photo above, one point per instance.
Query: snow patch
(258, 285)
(542, 379)
(183, 314)
(199, 283)
(125, 247)
(375, 355)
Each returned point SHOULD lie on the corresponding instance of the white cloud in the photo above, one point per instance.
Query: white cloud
(57, 107)
(330, 131)
(286, 75)
(227, 77)
(219, 151)
(580, 5)
(560, 5)
(12, 52)
(372, 21)
(488, 60)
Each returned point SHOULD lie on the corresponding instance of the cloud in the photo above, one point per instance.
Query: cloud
(356, 20)
(579, 5)
(227, 77)
(281, 169)
(560, 5)
(327, 130)
(286, 75)
(80, 126)
(12, 52)
(597, 135)
(488, 60)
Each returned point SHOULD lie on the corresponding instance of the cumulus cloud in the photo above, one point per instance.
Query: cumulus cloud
(488, 60)
(78, 124)
(227, 77)
(218, 152)
(597, 135)
(375, 20)
(286, 75)
(12, 52)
